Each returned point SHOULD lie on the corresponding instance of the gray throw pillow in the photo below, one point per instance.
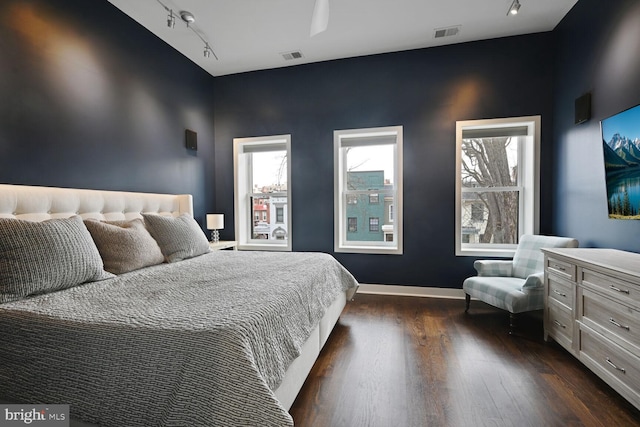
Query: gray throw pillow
(124, 245)
(40, 257)
(179, 238)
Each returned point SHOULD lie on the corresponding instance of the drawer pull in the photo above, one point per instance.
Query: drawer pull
(557, 292)
(615, 367)
(559, 267)
(560, 324)
(612, 320)
(623, 291)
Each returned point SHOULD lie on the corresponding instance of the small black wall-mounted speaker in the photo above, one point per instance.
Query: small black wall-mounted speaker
(583, 108)
(191, 139)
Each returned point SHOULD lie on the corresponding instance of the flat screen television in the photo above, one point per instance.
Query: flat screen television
(621, 145)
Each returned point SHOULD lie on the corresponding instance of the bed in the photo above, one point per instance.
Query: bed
(215, 338)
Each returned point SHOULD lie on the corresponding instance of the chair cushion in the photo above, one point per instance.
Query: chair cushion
(495, 268)
(504, 293)
(528, 258)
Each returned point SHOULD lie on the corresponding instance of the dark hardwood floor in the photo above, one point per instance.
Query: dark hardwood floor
(404, 361)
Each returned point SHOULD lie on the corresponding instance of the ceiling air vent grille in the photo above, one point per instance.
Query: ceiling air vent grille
(446, 32)
(289, 56)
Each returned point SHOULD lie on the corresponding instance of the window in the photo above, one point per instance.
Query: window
(368, 170)
(262, 211)
(497, 193)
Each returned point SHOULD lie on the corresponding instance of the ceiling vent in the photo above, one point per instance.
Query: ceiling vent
(446, 32)
(289, 56)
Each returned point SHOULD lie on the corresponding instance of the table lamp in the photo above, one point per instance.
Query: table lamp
(215, 222)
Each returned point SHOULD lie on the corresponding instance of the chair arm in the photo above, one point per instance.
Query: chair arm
(533, 281)
(494, 268)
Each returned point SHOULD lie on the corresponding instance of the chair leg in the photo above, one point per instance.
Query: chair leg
(513, 320)
(467, 301)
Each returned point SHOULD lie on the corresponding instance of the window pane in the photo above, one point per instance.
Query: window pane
(489, 162)
(260, 227)
(269, 171)
(374, 165)
(378, 225)
(490, 217)
(268, 217)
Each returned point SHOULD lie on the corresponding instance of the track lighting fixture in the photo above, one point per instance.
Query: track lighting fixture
(514, 8)
(188, 18)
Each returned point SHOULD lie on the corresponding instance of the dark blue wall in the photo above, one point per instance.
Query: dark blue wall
(90, 99)
(425, 91)
(598, 52)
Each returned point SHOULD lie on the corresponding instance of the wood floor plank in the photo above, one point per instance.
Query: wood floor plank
(405, 361)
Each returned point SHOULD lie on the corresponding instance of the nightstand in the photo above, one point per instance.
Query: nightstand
(223, 244)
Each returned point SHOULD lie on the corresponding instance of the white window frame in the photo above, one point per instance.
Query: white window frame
(243, 193)
(528, 184)
(342, 138)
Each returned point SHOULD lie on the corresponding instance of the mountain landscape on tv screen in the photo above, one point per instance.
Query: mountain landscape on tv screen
(621, 153)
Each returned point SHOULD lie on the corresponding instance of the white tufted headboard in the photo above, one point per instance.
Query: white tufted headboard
(41, 203)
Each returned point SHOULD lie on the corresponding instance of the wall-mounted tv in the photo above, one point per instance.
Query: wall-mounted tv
(621, 144)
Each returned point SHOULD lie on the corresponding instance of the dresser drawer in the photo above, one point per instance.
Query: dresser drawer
(559, 324)
(614, 288)
(561, 291)
(619, 368)
(611, 318)
(562, 269)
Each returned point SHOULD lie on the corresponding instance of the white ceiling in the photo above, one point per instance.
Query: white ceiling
(248, 35)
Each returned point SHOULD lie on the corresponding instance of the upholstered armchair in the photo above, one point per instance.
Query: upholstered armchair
(516, 285)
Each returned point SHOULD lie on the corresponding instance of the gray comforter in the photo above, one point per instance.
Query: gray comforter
(202, 342)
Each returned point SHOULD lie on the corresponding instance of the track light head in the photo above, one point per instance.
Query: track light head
(514, 8)
(171, 19)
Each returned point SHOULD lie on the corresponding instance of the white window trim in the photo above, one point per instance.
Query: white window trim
(340, 227)
(242, 211)
(530, 200)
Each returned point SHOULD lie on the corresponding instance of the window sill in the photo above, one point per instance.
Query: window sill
(369, 250)
(492, 253)
(264, 247)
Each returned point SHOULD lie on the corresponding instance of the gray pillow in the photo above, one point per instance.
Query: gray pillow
(124, 245)
(40, 257)
(179, 238)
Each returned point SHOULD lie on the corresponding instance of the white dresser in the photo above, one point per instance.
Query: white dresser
(592, 309)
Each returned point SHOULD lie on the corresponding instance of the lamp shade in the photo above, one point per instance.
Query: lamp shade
(215, 221)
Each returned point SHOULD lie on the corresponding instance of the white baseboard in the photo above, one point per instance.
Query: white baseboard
(412, 291)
